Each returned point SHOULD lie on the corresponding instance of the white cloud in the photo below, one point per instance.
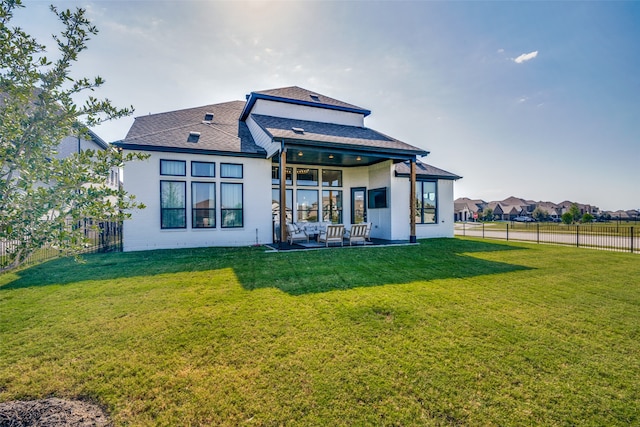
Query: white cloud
(525, 57)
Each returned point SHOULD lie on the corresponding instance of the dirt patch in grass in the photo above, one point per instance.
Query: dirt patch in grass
(52, 412)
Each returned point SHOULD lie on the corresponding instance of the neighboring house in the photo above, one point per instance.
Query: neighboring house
(74, 144)
(216, 174)
(466, 209)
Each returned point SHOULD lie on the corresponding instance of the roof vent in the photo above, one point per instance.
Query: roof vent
(193, 137)
(297, 130)
(315, 97)
(208, 117)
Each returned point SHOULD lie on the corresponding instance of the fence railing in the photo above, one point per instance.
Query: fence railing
(99, 237)
(615, 237)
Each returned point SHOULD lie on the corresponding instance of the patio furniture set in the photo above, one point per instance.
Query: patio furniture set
(327, 233)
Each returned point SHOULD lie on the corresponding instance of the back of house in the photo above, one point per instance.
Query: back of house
(213, 176)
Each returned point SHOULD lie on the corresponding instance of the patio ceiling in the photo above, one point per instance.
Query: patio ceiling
(338, 156)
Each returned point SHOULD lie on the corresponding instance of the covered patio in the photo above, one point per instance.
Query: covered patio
(335, 161)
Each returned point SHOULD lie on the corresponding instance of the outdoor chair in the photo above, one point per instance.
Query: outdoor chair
(333, 234)
(295, 233)
(367, 236)
(358, 233)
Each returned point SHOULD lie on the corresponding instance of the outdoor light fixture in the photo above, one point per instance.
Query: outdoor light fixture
(331, 156)
(358, 158)
(299, 153)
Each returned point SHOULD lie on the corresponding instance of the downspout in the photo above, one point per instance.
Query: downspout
(283, 194)
(412, 202)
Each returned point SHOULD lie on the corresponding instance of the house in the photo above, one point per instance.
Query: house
(466, 209)
(76, 144)
(216, 174)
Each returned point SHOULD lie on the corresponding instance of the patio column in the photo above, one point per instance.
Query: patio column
(283, 194)
(412, 202)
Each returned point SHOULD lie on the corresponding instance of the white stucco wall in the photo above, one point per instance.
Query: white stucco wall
(400, 220)
(301, 112)
(143, 232)
(381, 218)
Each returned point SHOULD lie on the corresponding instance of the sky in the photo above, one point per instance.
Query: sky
(539, 100)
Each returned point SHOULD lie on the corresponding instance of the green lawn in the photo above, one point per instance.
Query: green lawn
(448, 332)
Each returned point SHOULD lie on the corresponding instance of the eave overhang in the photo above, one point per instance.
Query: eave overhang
(142, 147)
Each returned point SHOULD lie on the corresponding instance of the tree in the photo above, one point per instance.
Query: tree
(40, 194)
(488, 214)
(540, 214)
(567, 218)
(574, 210)
(586, 218)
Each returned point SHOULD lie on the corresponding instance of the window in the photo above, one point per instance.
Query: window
(173, 167)
(193, 137)
(377, 198)
(426, 202)
(203, 169)
(308, 177)
(229, 170)
(307, 205)
(203, 204)
(275, 175)
(275, 204)
(173, 205)
(231, 210)
(332, 206)
(331, 178)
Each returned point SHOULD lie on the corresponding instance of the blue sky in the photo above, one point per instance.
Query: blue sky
(539, 100)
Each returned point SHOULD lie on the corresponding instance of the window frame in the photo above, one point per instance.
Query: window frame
(222, 175)
(299, 210)
(275, 191)
(289, 172)
(224, 210)
(420, 202)
(194, 210)
(183, 209)
(317, 181)
(338, 208)
(183, 162)
(329, 185)
(196, 162)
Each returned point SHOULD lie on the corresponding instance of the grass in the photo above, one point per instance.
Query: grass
(448, 332)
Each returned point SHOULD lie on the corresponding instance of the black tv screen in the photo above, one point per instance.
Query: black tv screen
(378, 198)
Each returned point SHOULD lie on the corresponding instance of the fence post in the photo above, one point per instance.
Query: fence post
(507, 231)
(631, 236)
(577, 236)
(464, 229)
(483, 230)
(538, 232)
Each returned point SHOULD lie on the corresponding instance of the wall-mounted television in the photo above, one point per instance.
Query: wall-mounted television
(377, 198)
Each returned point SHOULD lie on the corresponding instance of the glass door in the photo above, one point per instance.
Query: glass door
(358, 205)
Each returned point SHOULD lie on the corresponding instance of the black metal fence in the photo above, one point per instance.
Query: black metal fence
(99, 237)
(616, 237)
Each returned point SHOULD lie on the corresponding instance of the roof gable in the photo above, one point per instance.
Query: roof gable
(300, 96)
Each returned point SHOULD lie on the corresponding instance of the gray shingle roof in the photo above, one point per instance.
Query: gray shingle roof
(329, 133)
(225, 133)
(424, 170)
